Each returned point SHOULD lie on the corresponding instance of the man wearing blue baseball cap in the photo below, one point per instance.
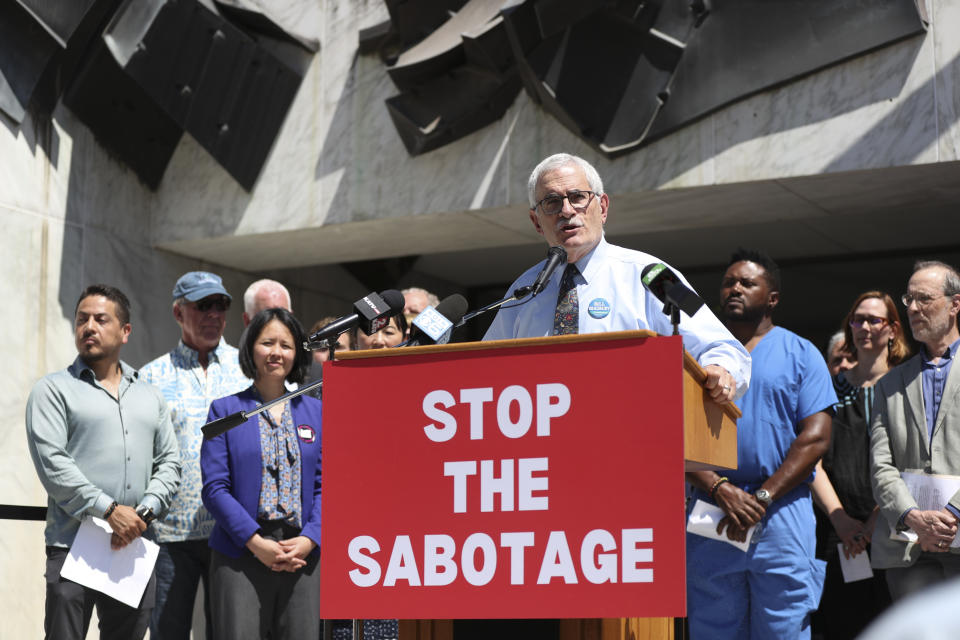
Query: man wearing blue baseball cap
(201, 368)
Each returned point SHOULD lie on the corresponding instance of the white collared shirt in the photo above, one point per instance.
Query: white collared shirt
(612, 298)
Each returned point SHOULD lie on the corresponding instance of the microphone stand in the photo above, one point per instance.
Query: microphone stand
(672, 310)
(518, 294)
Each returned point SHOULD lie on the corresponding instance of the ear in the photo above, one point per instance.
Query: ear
(178, 314)
(955, 304)
(246, 319)
(773, 299)
(604, 206)
(125, 333)
(535, 221)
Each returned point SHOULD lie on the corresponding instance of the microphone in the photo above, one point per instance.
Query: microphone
(435, 326)
(371, 313)
(555, 257)
(664, 284)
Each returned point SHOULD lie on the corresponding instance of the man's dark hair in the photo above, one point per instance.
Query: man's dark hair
(300, 362)
(770, 268)
(110, 293)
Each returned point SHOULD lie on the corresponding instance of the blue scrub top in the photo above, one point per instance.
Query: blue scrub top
(790, 382)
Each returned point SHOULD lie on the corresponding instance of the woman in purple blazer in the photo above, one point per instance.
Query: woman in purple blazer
(261, 482)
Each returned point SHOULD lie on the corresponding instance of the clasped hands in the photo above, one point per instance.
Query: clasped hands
(854, 534)
(281, 555)
(127, 526)
(743, 511)
(935, 529)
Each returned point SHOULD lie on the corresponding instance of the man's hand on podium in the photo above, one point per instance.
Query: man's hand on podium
(720, 384)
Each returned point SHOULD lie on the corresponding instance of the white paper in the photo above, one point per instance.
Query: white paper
(122, 574)
(856, 567)
(932, 493)
(704, 519)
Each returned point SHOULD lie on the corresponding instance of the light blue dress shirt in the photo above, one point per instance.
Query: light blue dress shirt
(91, 448)
(612, 298)
(189, 390)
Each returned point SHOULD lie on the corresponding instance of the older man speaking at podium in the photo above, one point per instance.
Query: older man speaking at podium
(601, 288)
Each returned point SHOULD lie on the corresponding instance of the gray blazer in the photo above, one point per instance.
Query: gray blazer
(899, 441)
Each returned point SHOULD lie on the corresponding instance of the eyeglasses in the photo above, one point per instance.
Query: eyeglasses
(922, 299)
(874, 322)
(217, 304)
(553, 204)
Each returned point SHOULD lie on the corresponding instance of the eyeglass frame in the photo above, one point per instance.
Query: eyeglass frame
(874, 322)
(908, 298)
(566, 196)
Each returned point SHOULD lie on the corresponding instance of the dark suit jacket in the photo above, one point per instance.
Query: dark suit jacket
(231, 465)
(899, 441)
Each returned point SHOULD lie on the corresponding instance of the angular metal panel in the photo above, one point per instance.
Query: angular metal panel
(213, 80)
(451, 106)
(747, 46)
(123, 117)
(59, 17)
(26, 50)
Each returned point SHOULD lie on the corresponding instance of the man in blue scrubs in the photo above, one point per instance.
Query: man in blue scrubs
(769, 591)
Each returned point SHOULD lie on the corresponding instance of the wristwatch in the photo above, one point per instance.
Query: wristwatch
(763, 496)
(146, 514)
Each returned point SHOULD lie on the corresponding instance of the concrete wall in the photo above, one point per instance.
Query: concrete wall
(340, 184)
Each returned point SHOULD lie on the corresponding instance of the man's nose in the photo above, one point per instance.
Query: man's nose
(567, 209)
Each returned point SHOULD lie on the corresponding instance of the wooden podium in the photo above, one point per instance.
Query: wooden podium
(709, 442)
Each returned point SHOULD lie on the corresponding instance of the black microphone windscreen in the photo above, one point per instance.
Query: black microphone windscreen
(394, 299)
(453, 308)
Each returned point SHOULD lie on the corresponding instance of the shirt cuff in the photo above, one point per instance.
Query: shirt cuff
(151, 502)
(952, 509)
(101, 505)
(900, 524)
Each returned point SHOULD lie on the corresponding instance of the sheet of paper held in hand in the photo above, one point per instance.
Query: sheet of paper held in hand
(122, 574)
(855, 567)
(704, 519)
(932, 493)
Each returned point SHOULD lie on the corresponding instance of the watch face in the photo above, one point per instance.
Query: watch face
(763, 495)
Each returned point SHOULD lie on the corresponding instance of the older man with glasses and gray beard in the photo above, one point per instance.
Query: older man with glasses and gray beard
(916, 428)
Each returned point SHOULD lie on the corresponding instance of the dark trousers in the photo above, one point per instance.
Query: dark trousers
(180, 568)
(930, 568)
(69, 606)
(250, 602)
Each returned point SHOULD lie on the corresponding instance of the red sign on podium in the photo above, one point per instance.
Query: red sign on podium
(526, 482)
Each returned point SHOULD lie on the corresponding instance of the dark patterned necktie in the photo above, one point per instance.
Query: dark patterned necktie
(567, 318)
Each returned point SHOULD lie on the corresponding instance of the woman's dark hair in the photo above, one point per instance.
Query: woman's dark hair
(252, 332)
(400, 320)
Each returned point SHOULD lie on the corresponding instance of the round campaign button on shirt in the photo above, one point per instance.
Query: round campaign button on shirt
(306, 433)
(599, 308)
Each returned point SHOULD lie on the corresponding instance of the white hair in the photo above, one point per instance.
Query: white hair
(250, 295)
(432, 298)
(556, 161)
(835, 339)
